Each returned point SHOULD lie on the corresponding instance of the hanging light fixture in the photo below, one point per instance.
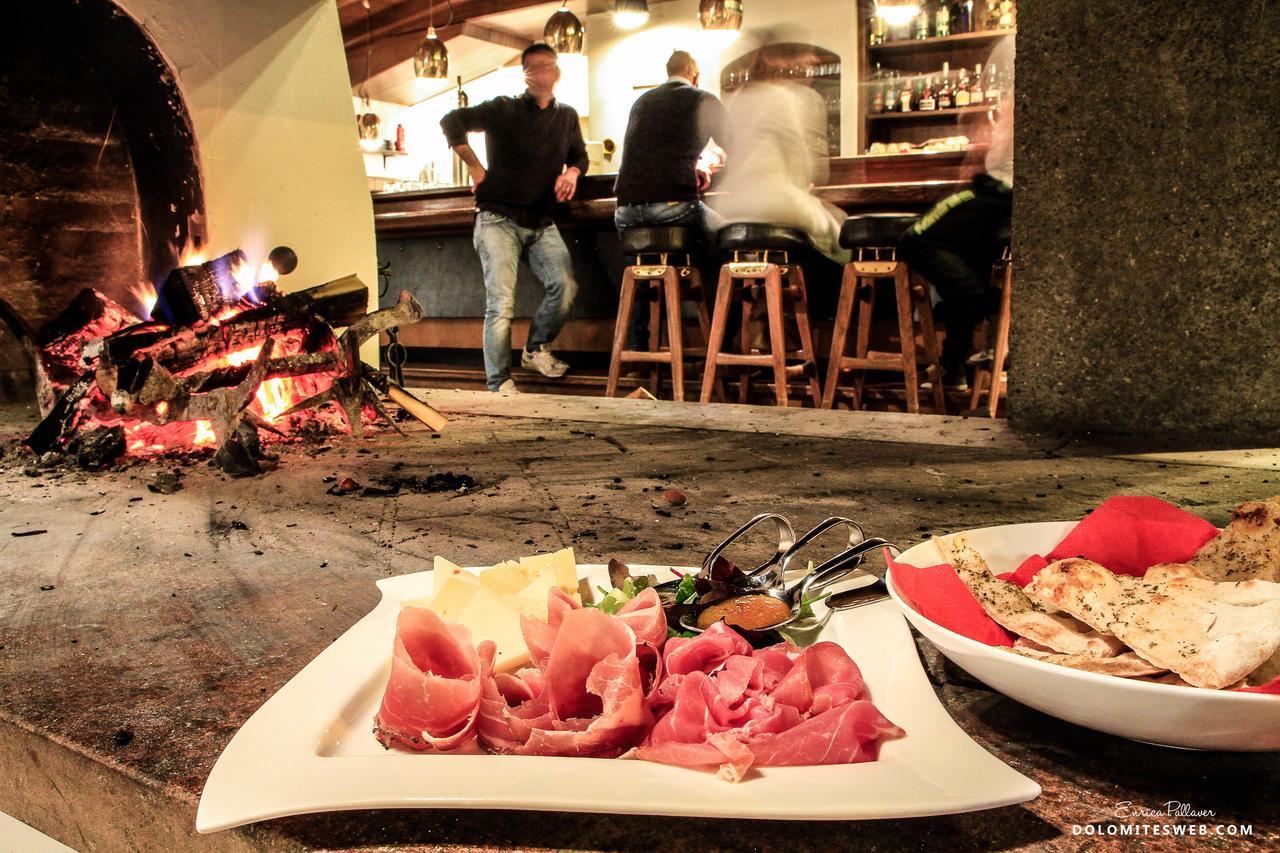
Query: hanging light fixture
(720, 14)
(629, 14)
(564, 32)
(368, 125)
(897, 13)
(431, 59)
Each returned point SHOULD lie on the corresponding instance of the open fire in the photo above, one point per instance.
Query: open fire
(214, 355)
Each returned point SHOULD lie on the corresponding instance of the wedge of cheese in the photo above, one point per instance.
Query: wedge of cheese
(489, 602)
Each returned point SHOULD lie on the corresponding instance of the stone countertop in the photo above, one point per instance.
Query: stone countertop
(141, 630)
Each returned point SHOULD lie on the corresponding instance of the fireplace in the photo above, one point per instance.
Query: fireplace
(99, 178)
(163, 149)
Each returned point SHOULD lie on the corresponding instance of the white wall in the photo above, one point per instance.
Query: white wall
(267, 89)
(622, 59)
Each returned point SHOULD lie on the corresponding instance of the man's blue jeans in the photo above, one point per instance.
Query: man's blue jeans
(500, 242)
(689, 214)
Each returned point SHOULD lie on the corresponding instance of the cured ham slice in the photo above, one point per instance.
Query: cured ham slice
(723, 704)
(586, 696)
(433, 697)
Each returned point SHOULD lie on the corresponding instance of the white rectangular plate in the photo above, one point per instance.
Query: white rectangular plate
(311, 748)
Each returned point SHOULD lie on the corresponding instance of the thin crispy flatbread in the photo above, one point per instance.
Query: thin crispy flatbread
(1211, 634)
(1249, 547)
(1010, 607)
(1125, 665)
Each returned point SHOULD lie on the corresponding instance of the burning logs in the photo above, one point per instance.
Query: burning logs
(224, 357)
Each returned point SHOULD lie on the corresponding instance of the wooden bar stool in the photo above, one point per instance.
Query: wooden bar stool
(663, 264)
(762, 264)
(989, 379)
(873, 237)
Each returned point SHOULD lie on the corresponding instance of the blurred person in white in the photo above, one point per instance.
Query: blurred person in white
(777, 147)
(955, 244)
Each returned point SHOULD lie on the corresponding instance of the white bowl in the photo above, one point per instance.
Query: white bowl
(1155, 713)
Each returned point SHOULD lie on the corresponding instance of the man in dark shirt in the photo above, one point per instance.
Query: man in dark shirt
(660, 181)
(536, 155)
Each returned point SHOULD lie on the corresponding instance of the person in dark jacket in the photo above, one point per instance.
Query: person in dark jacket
(661, 181)
(536, 155)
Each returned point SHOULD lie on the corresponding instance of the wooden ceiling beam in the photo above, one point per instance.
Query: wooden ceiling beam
(415, 16)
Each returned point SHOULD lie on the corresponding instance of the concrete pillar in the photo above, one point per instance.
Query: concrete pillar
(1147, 221)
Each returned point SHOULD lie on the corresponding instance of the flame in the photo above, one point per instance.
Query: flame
(190, 255)
(243, 356)
(205, 436)
(245, 278)
(275, 396)
(145, 293)
(267, 273)
(162, 408)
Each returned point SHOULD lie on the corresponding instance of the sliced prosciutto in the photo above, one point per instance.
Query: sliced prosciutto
(586, 695)
(722, 704)
(438, 675)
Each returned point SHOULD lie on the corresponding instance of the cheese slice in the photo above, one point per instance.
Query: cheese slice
(507, 578)
(489, 602)
(556, 569)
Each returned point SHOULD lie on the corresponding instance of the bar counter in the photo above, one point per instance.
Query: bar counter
(424, 242)
(898, 182)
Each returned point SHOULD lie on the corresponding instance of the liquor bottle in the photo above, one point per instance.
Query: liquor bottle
(928, 97)
(942, 20)
(965, 17)
(962, 96)
(944, 94)
(976, 94)
(877, 90)
(922, 22)
(876, 30)
(906, 97)
(992, 85)
(889, 93)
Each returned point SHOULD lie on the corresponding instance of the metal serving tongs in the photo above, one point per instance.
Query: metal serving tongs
(786, 539)
(769, 579)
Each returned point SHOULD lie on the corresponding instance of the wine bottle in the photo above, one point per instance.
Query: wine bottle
(928, 97)
(944, 94)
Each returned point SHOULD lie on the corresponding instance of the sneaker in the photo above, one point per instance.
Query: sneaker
(544, 362)
(987, 356)
(951, 381)
(507, 388)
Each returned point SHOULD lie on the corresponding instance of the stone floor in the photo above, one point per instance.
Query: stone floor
(140, 630)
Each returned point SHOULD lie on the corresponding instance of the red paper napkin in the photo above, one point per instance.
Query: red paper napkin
(1126, 534)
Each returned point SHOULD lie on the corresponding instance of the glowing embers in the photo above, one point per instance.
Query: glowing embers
(252, 359)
